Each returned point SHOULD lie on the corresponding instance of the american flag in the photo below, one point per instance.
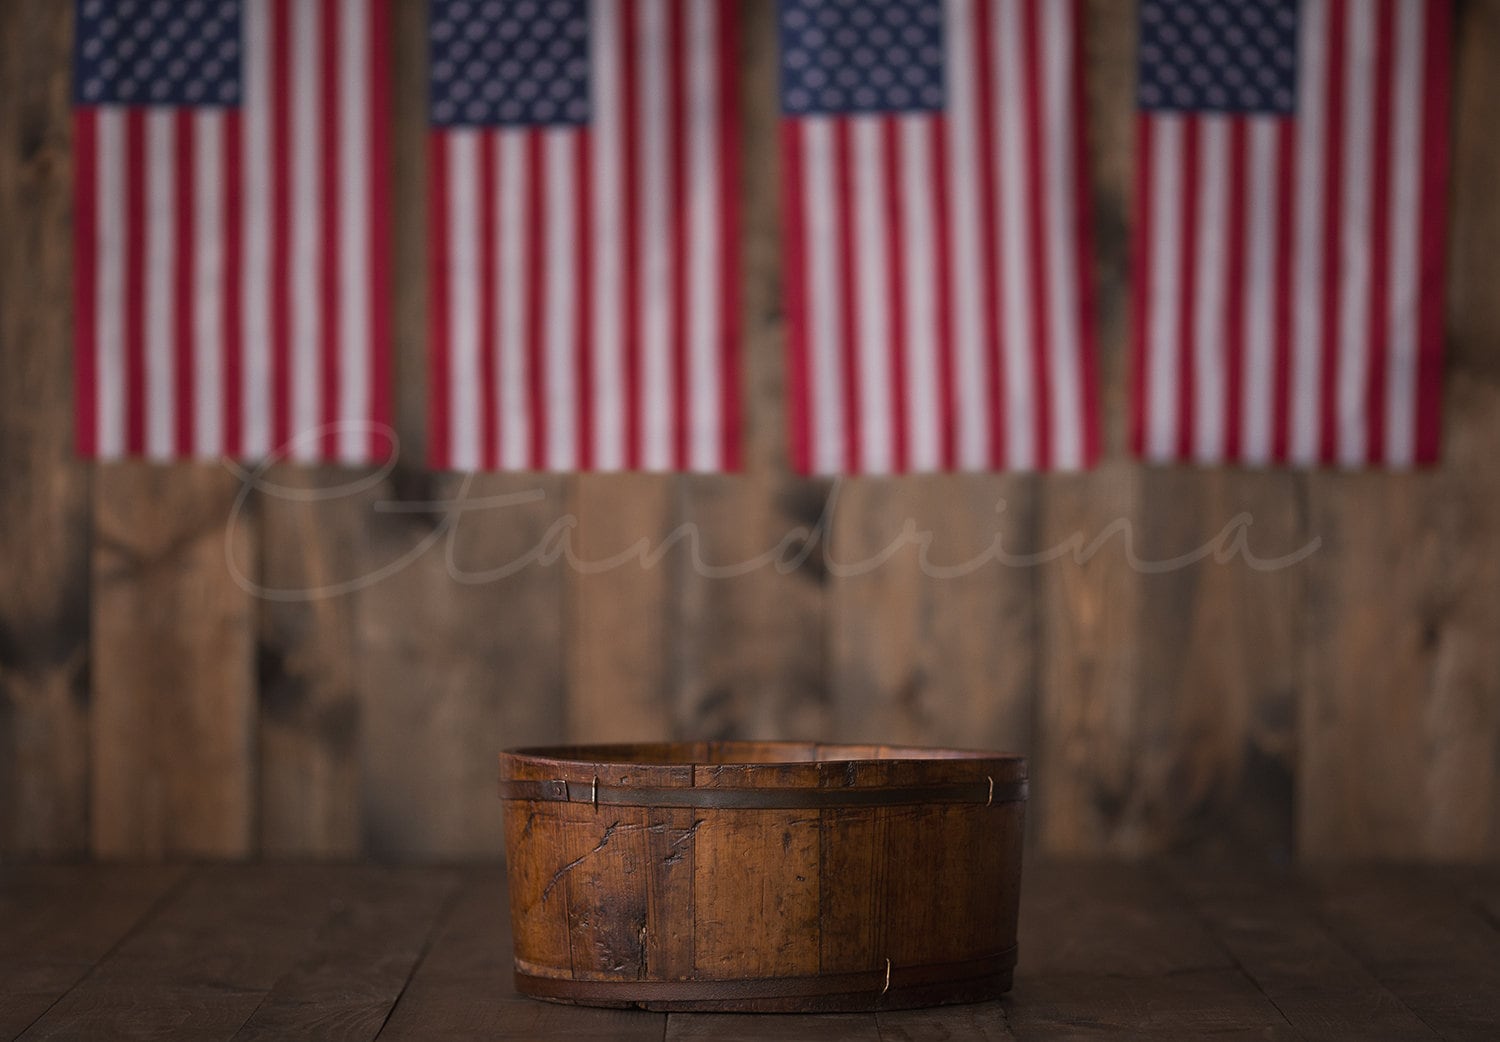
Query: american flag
(1289, 230)
(231, 213)
(582, 185)
(938, 287)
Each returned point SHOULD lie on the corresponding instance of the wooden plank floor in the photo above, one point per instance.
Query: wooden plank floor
(1107, 951)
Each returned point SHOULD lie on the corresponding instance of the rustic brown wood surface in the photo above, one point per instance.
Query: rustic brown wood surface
(44, 489)
(173, 665)
(763, 876)
(150, 706)
(1183, 950)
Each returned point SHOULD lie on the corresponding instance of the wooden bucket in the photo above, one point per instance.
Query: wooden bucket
(766, 876)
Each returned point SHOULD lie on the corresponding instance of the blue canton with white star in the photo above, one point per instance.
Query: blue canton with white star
(158, 52)
(847, 56)
(1231, 56)
(509, 63)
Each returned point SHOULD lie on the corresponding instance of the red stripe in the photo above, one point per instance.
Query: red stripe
(895, 252)
(439, 419)
(1187, 366)
(584, 263)
(1234, 301)
(848, 312)
(489, 302)
(989, 243)
(1281, 384)
(631, 278)
(328, 102)
(184, 306)
(378, 257)
(1140, 264)
(1033, 192)
(1083, 207)
(233, 332)
(794, 286)
(281, 225)
(728, 152)
(1436, 64)
(135, 281)
(676, 193)
(1333, 173)
(1381, 214)
(536, 260)
(943, 219)
(85, 280)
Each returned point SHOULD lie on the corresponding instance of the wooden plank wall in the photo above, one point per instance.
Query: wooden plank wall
(159, 698)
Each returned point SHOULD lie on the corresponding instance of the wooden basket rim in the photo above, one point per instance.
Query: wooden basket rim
(713, 754)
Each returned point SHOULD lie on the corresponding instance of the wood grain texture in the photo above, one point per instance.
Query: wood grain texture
(776, 934)
(462, 990)
(173, 666)
(429, 737)
(1221, 660)
(1085, 758)
(1187, 949)
(308, 663)
(44, 490)
(622, 665)
(1192, 1005)
(200, 967)
(59, 922)
(932, 639)
(1481, 887)
(731, 1027)
(359, 961)
(1269, 925)
(761, 540)
(762, 877)
(1086, 961)
(1130, 924)
(980, 1022)
(1436, 952)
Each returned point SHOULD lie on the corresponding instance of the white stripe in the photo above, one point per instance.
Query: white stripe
(208, 283)
(1209, 300)
(463, 231)
(608, 239)
(255, 159)
(921, 334)
(1406, 237)
(870, 273)
(110, 307)
(970, 296)
(1163, 335)
(560, 308)
(1307, 219)
(658, 409)
(307, 219)
(1065, 351)
(514, 398)
(161, 213)
(1013, 234)
(703, 207)
(1257, 412)
(1357, 222)
(354, 231)
(820, 219)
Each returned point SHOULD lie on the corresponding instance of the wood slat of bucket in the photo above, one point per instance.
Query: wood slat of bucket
(763, 876)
